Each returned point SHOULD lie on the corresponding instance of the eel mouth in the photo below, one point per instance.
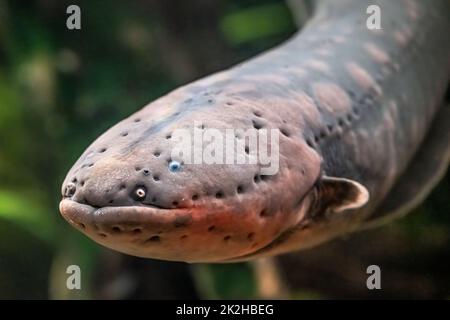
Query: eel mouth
(186, 234)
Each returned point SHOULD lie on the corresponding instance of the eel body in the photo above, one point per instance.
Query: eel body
(363, 135)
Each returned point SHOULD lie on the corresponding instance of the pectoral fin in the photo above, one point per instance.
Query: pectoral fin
(340, 194)
(426, 169)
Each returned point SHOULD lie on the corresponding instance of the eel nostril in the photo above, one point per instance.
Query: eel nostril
(70, 189)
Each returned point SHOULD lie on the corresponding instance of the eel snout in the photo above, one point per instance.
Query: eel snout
(122, 206)
(111, 203)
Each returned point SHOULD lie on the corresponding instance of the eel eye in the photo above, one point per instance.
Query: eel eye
(174, 166)
(140, 193)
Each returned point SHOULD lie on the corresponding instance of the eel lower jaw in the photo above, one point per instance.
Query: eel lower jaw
(185, 234)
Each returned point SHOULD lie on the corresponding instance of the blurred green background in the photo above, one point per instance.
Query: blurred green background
(60, 89)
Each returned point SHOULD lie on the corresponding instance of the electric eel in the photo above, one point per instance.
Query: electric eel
(364, 136)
